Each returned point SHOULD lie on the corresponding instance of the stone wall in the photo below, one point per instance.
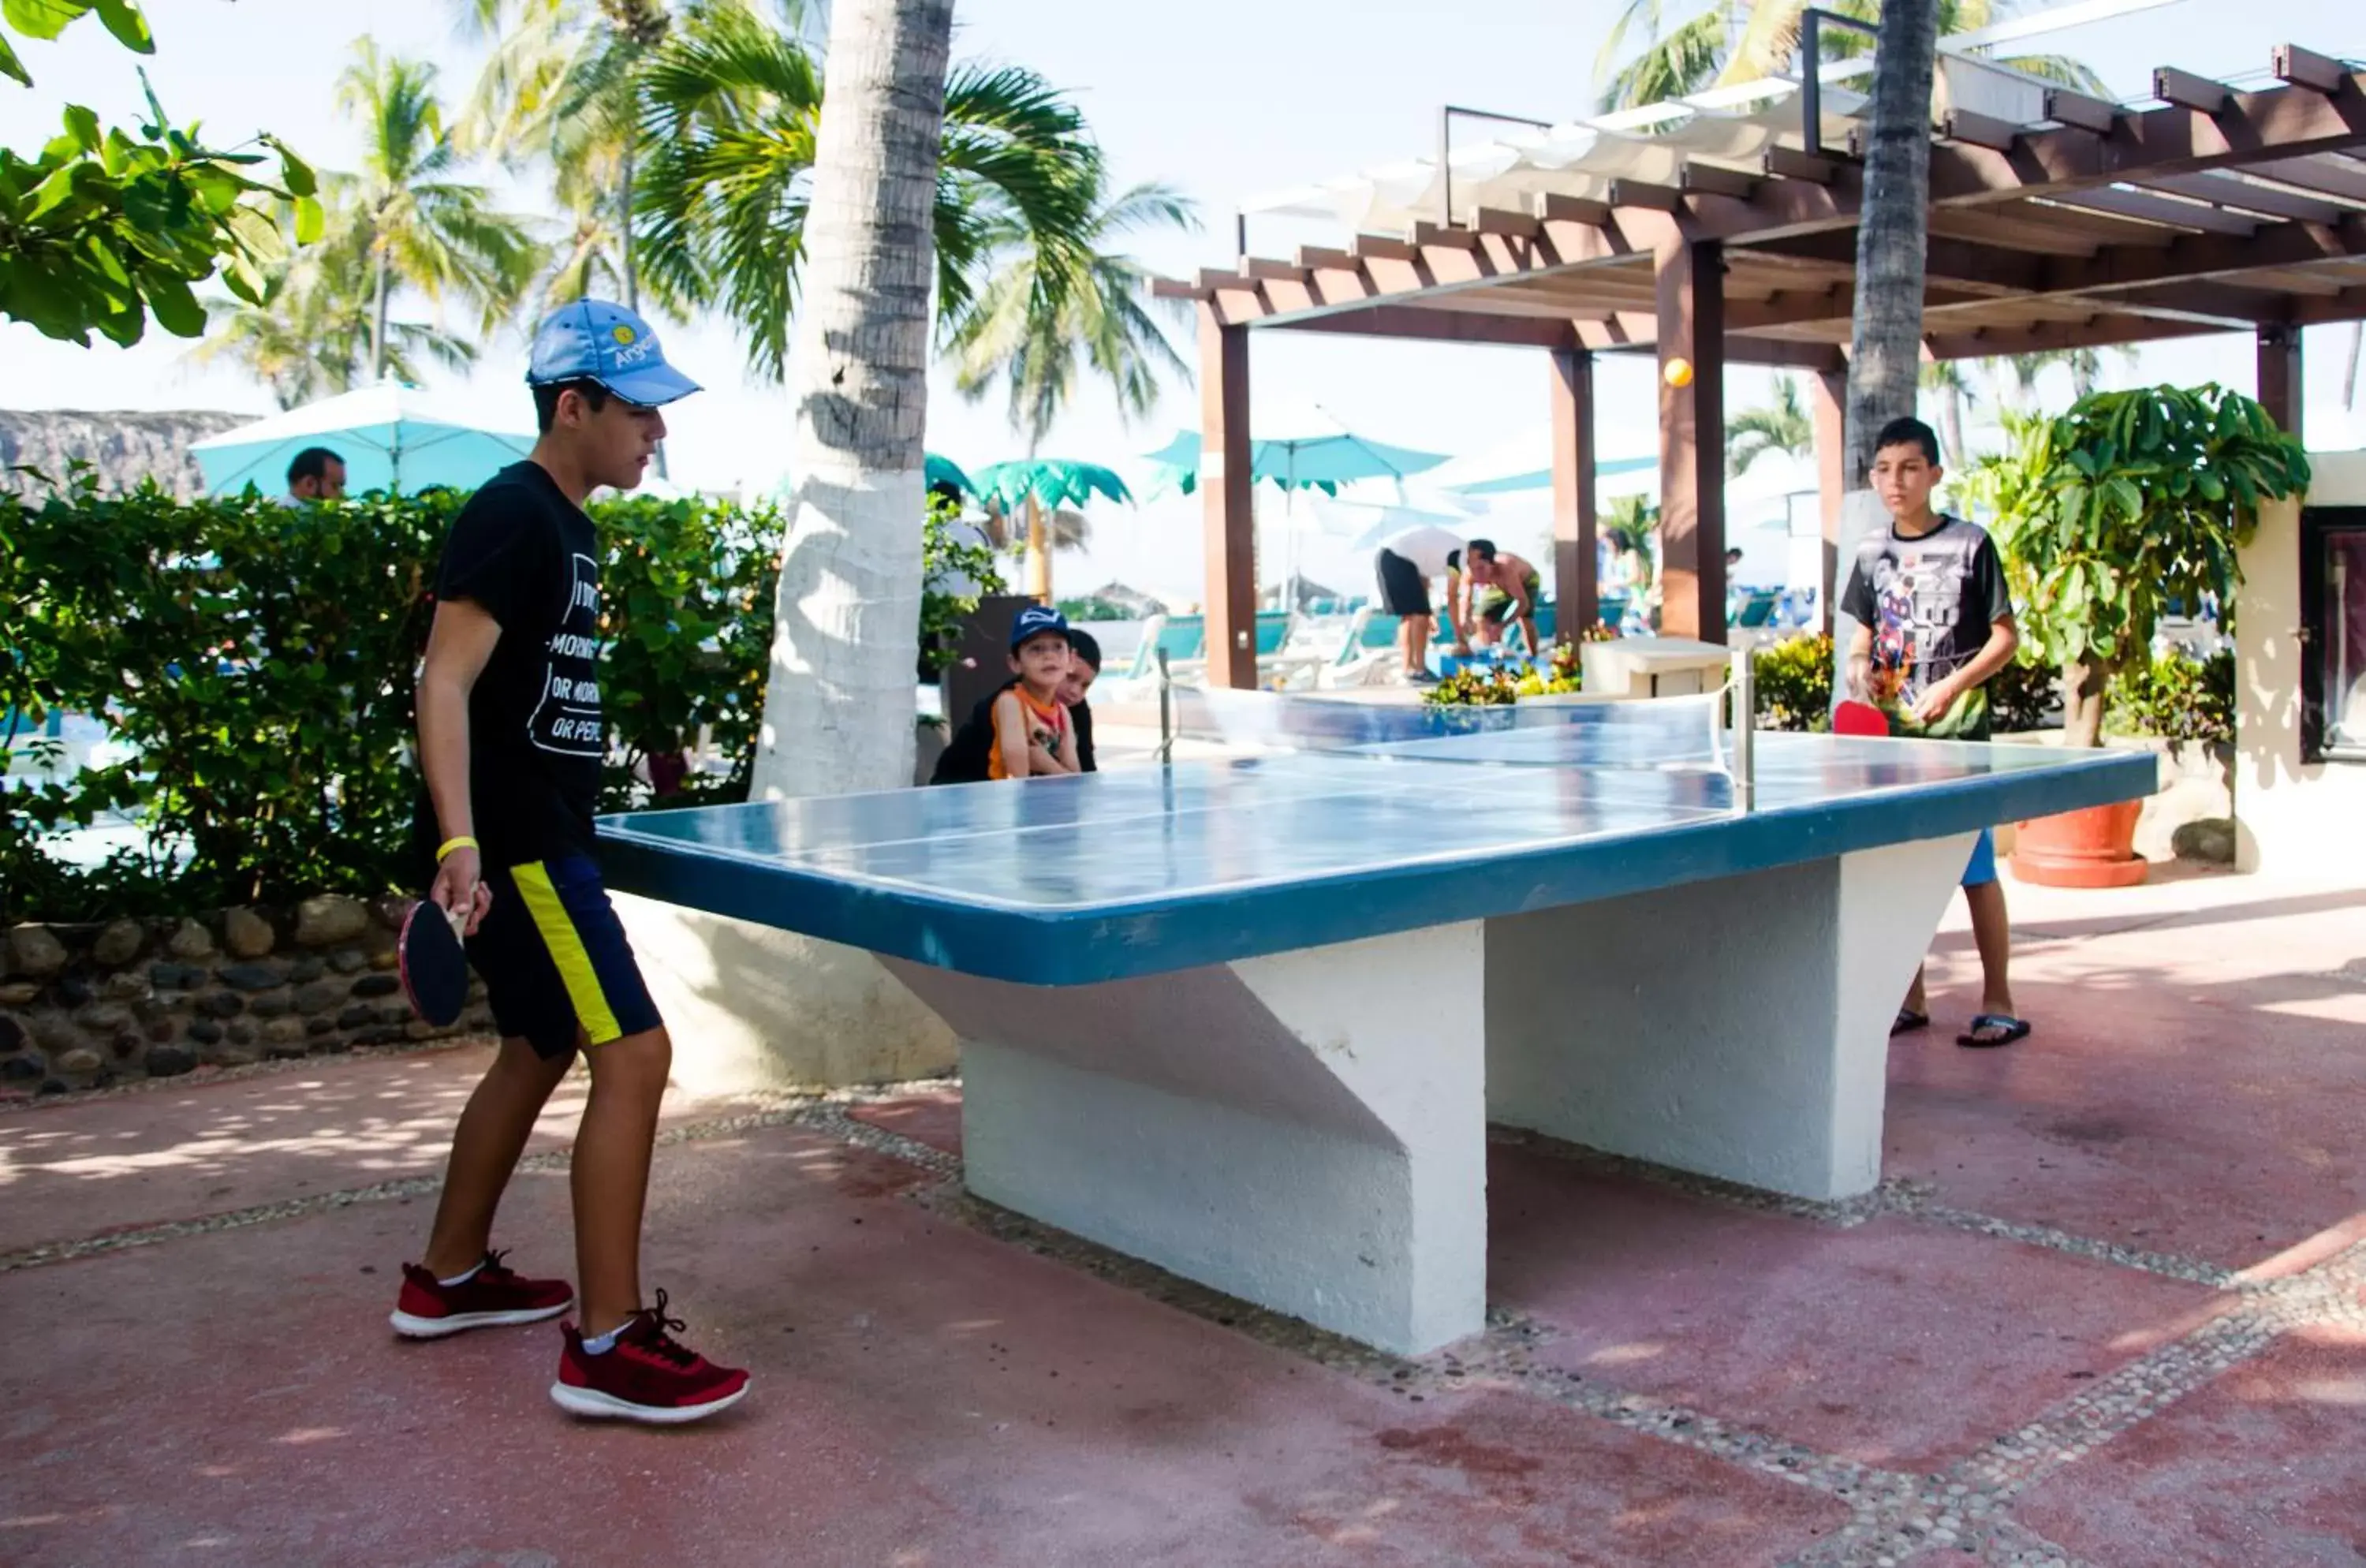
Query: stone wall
(82, 1007)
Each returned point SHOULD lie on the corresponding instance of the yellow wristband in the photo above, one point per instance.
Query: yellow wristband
(462, 842)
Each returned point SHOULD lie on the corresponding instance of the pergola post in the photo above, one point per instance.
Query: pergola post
(1691, 296)
(1575, 553)
(2280, 372)
(1224, 479)
(1829, 399)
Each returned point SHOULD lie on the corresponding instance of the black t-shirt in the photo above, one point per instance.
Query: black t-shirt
(965, 755)
(529, 557)
(1930, 602)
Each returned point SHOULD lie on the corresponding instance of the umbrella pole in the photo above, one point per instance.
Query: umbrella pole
(1039, 552)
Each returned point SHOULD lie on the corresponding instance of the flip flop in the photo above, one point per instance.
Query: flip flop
(1909, 1020)
(2013, 1028)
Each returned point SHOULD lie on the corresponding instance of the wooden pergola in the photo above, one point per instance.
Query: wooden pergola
(2220, 210)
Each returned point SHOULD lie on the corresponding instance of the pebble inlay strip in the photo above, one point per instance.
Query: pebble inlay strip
(1894, 1516)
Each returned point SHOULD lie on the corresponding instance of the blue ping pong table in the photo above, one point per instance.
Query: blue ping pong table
(1248, 1017)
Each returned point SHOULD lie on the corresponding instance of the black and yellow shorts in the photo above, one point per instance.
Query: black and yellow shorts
(556, 965)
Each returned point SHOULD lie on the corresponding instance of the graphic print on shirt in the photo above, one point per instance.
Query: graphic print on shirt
(567, 720)
(1916, 598)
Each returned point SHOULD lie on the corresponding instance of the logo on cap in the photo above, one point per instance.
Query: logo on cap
(623, 333)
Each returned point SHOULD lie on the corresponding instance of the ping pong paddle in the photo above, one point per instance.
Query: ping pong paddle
(1853, 718)
(435, 965)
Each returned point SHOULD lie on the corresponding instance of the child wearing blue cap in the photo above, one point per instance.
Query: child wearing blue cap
(1034, 736)
(511, 739)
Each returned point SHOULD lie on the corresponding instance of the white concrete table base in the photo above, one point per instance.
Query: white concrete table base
(1307, 1131)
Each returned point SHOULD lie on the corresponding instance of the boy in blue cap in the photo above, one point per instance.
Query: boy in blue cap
(1034, 735)
(511, 743)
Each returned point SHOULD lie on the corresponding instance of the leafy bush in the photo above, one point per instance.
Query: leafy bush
(2177, 695)
(258, 664)
(1792, 682)
(2024, 695)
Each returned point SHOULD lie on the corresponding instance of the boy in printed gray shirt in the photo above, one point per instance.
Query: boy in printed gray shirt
(1934, 622)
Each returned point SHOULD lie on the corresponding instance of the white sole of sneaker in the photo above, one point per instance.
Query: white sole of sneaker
(590, 1402)
(411, 1327)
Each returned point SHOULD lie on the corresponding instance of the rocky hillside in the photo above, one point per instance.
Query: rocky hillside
(124, 447)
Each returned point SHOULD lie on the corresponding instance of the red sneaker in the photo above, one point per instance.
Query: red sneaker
(647, 1376)
(494, 1295)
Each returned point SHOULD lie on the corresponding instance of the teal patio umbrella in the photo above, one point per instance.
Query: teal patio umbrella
(391, 436)
(1034, 483)
(1312, 451)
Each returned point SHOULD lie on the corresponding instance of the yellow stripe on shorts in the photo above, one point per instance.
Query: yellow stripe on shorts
(566, 950)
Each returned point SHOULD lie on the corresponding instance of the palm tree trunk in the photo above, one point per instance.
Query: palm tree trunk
(1951, 423)
(1039, 552)
(838, 708)
(631, 279)
(378, 323)
(1887, 334)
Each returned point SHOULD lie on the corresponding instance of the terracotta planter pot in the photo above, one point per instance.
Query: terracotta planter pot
(2092, 847)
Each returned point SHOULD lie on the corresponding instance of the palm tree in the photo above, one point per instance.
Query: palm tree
(838, 705)
(1106, 322)
(1627, 524)
(1783, 425)
(1728, 41)
(311, 336)
(2085, 366)
(729, 140)
(422, 228)
(1887, 334)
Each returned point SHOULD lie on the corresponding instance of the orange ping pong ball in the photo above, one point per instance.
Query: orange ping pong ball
(1678, 372)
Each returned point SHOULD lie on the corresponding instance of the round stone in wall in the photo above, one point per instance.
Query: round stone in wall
(169, 1061)
(189, 941)
(328, 920)
(118, 944)
(246, 933)
(35, 951)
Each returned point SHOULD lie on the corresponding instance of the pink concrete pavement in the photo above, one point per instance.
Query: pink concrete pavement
(2031, 1347)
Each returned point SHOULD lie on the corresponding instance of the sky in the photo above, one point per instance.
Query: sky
(1222, 99)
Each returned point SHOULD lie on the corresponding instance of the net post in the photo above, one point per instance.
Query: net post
(1166, 709)
(1744, 698)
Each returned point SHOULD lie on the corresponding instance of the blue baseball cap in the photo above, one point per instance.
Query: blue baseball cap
(1033, 622)
(598, 340)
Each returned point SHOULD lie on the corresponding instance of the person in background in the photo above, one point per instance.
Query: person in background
(316, 474)
(965, 757)
(1407, 562)
(1504, 589)
(1034, 736)
(1935, 623)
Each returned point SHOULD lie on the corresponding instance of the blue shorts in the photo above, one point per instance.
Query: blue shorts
(1982, 869)
(556, 965)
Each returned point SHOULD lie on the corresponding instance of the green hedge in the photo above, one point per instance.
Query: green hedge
(2176, 696)
(260, 662)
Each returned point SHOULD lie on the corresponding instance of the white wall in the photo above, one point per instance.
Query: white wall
(2291, 816)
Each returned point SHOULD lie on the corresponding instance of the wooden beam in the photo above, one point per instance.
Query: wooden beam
(1224, 278)
(1643, 194)
(2081, 112)
(1551, 206)
(2328, 174)
(1385, 247)
(1452, 235)
(1979, 130)
(2228, 189)
(1790, 163)
(2159, 210)
(1276, 271)
(2279, 377)
(1691, 277)
(1709, 179)
(2105, 329)
(1322, 258)
(1440, 326)
(2281, 122)
(1575, 526)
(1229, 527)
(2306, 68)
(2184, 88)
(1502, 221)
(1176, 289)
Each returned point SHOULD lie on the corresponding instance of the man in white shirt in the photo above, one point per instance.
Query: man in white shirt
(1407, 563)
